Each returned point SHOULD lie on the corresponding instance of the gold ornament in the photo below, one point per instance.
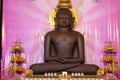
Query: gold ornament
(64, 4)
(17, 48)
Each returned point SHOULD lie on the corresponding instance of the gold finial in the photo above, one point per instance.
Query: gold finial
(63, 4)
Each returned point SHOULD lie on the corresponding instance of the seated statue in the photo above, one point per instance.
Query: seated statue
(64, 48)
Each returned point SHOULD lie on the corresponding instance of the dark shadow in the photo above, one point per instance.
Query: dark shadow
(1, 6)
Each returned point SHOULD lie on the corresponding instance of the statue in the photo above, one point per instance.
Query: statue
(64, 48)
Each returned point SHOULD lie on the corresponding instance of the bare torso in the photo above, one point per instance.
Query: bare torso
(64, 42)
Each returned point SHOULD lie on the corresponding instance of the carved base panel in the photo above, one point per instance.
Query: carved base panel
(87, 77)
(62, 79)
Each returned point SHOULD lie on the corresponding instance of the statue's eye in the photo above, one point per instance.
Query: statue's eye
(63, 18)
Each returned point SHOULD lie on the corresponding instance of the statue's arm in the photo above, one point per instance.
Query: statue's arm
(81, 49)
(47, 47)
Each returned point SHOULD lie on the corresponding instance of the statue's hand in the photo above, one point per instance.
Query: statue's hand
(61, 60)
(68, 59)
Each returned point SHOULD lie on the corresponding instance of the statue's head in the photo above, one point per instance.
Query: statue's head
(64, 18)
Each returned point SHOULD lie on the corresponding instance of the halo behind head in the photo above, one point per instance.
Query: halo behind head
(63, 4)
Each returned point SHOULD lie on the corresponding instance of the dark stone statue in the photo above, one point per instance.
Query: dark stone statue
(64, 48)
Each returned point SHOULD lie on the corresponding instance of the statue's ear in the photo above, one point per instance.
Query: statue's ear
(73, 18)
(72, 23)
(54, 19)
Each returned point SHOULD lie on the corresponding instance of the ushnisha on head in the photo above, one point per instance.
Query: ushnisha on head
(64, 18)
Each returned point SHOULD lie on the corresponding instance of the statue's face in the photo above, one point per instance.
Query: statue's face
(64, 19)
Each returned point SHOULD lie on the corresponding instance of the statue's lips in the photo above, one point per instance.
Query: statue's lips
(64, 25)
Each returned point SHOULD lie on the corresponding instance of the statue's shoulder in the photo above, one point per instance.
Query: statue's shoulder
(49, 33)
(78, 33)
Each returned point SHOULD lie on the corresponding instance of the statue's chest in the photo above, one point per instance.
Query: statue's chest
(64, 39)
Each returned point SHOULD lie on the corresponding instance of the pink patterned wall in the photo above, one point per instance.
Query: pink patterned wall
(28, 21)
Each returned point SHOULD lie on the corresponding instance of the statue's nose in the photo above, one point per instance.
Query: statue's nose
(64, 21)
